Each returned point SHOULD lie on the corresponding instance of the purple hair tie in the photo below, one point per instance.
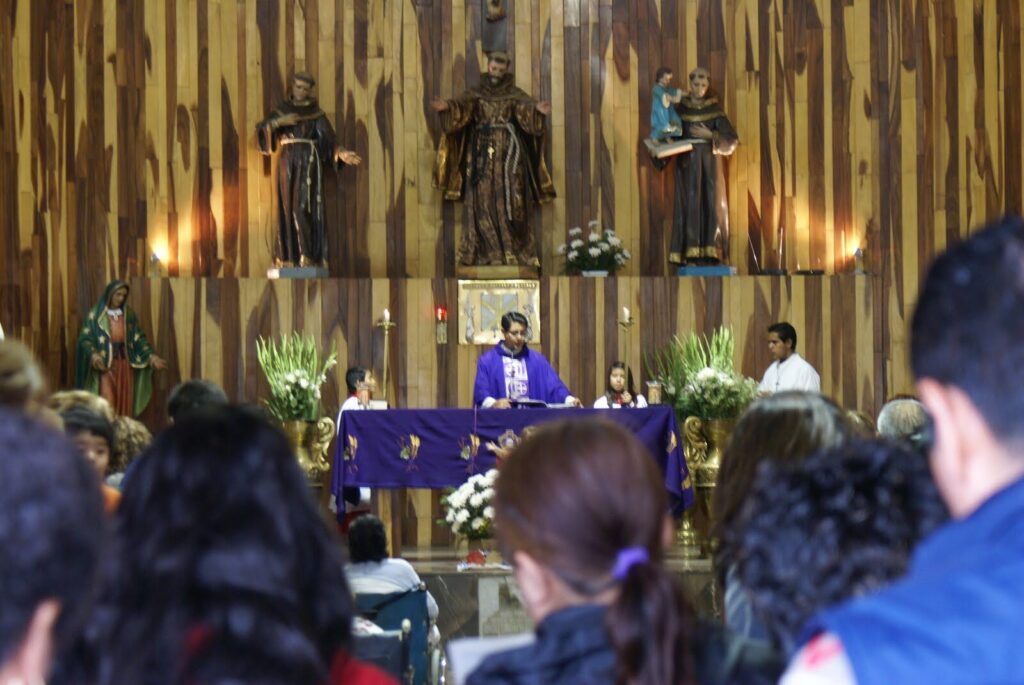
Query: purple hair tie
(626, 559)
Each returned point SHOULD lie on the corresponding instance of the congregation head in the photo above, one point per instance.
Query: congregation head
(52, 537)
(902, 419)
(784, 427)
(840, 523)
(581, 511)
(367, 540)
(194, 395)
(217, 528)
(968, 360)
(93, 434)
(21, 381)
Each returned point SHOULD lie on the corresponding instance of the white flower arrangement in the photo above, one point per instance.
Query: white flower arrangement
(698, 376)
(295, 370)
(468, 509)
(601, 251)
(718, 394)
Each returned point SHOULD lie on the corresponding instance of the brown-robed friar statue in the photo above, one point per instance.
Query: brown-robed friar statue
(307, 143)
(491, 156)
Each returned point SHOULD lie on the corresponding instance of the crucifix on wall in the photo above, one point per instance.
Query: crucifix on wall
(494, 36)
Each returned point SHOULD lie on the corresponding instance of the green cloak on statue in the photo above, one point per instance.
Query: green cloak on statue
(95, 337)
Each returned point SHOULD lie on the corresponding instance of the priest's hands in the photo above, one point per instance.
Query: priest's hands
(157, 363)
(544, 107)
(573, 402)
(96, 361)
(503, 403)
(439, 105)
(347, 157)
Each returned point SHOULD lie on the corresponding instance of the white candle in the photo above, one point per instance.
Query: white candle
(387, 315)
(625, 313)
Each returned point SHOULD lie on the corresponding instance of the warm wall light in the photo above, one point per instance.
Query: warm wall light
(441, 313)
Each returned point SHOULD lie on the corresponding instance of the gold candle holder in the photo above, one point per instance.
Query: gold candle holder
(385, 324)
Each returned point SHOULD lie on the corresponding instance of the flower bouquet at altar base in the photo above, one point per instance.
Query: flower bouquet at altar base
(698, 377)
(601, 251)
(468, 510)
(295, 369)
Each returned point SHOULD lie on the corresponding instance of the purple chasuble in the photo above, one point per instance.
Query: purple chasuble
(544, 384)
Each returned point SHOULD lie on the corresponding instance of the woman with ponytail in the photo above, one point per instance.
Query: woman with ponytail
(581, 513)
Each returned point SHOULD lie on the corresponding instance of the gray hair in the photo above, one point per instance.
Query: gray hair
(901, 419)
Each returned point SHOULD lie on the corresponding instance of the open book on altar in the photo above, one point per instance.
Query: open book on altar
(528, 403)
(660, 149)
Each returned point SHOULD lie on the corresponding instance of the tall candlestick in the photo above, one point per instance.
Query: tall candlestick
(386, 324)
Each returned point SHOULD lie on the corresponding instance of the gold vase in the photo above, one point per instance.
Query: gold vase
(703, 442)
(310, 441)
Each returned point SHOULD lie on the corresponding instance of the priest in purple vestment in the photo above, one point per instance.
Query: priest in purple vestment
(513, 372)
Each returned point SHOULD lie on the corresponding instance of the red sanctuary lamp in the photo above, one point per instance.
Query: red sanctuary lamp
(441, 324)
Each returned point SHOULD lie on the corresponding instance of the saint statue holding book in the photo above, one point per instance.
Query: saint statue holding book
(700, 225)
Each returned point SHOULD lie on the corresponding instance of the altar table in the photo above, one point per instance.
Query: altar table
(439, 448)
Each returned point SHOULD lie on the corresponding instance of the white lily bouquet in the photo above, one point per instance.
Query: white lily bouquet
(468, 508)
(699, 379)
(601, 251)
(716, 394)
(295, 370)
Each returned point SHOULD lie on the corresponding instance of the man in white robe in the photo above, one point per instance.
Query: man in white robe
(789, 371)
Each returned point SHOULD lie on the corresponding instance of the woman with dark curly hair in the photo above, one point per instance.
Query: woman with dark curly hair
(785, 428)
(841, 523)
(581, 513)
(224, 570)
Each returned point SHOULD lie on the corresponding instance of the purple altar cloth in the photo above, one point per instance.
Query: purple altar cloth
(438, 448)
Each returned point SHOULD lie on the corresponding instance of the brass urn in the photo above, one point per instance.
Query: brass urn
(703, 442)
(310, 440)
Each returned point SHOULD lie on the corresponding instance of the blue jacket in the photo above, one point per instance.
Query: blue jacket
(573, 648)
(957, 617)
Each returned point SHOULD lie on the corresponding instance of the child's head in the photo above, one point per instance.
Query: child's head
(92, 434)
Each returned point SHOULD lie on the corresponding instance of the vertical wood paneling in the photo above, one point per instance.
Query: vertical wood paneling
(126, 129)
(139, 117)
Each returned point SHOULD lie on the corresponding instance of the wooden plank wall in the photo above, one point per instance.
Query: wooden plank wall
(126, 130)
(208, 328)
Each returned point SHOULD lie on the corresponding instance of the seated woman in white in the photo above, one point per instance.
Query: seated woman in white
(620, 391)
(372, 571)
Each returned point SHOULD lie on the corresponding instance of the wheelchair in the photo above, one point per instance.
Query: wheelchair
(426, 664)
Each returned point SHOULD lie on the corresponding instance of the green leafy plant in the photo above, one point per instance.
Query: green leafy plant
(698, 377)
(295, 370)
